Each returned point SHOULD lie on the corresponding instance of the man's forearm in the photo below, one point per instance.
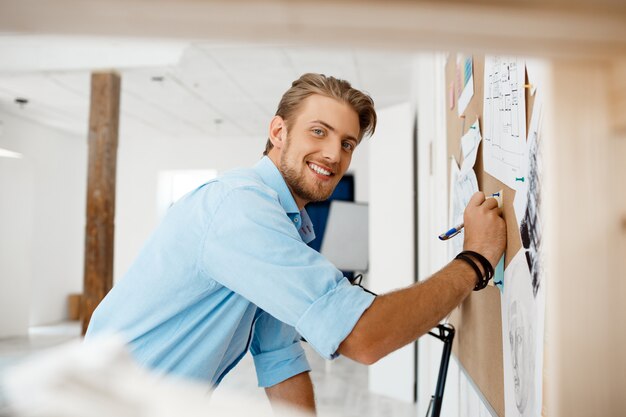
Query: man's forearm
(398, 318)
(296, 391)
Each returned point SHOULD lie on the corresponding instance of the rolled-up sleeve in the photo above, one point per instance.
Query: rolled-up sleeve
(277, 352)
(253, 248)
(331, 318)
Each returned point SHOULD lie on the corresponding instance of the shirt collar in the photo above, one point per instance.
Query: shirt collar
(272, 177)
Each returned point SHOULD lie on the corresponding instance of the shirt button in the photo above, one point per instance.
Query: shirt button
(296, 220)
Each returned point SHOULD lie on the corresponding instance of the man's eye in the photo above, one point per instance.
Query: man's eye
(348, 146)
(318, 132)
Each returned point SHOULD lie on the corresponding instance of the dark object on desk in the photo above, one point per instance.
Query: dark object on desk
(446, 335)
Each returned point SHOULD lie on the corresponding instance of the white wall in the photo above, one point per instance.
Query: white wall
(391, 242)
(42, 221)
(15, 245)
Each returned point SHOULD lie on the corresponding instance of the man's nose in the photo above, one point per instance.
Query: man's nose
(332, 150)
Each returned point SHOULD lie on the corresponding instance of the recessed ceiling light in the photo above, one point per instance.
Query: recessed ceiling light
(158, 78)
(21, 101)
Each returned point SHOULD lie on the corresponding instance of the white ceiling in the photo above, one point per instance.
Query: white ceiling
(205, 89)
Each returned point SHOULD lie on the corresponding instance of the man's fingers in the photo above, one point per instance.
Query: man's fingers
(477, 199)
(491, 203)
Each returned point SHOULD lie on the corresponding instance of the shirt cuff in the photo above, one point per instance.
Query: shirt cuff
(331, 318)
(278, 365)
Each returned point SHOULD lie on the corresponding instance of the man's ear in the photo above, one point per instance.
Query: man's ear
(278, 132)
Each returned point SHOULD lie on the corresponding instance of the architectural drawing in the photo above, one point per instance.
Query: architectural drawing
(504, 114)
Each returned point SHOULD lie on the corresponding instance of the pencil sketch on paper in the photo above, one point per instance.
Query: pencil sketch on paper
(521, 190)
(530, 229)
(527, 202)
(522, 359)
(504, 112)
(522, 336)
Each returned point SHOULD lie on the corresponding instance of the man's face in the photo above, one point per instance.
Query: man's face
(317, 148)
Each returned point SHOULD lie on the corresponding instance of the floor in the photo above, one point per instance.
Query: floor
(13, 350)
(340, 385)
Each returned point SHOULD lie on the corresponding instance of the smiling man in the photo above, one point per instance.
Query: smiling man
(229, 269)
(314, 153)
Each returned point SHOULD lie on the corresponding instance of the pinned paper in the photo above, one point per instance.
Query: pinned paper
(529, 169)
(462, 188)
(504, 118)
(464, 81)
(469, 147)
(498, 275)
(523, 321)
(533, 67)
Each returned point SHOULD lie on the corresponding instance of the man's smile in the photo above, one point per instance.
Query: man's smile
(320, 170)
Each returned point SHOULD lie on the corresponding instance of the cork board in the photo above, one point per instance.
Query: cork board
(478, 323)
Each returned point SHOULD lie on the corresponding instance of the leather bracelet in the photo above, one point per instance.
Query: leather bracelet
(484, 262)
(481, 281)
(479, 277)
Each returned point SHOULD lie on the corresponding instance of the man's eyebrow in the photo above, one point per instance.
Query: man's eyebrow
(332, 129)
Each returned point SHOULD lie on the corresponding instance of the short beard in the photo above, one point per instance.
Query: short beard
(296, 182)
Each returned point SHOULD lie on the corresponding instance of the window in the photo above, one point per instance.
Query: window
(173, 184)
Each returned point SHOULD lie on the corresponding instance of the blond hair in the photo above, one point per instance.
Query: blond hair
(309, 84)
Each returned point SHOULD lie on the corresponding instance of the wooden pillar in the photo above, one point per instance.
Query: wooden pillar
(99, 233)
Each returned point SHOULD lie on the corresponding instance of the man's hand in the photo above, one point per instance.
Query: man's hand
(485, 229)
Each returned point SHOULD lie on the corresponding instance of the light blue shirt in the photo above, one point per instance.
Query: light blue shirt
(229, 270)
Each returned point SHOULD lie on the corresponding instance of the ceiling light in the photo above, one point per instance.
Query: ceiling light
(21, 101)
(9, 154)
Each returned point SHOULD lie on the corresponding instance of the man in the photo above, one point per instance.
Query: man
(229, 270)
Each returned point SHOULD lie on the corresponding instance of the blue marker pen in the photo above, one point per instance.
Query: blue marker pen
(457, 229)
(452, 232)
